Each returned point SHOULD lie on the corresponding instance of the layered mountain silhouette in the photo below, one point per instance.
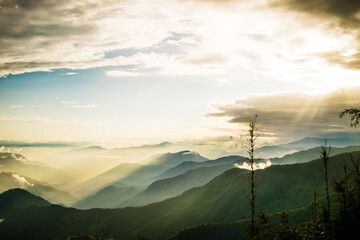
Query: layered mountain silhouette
(17, 163)
(137, 175)
(184, 176)
(223, 199)
(180, 178)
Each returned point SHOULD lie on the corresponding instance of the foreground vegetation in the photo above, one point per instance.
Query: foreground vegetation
(337, 216)
(283, 187)
(312, 222)
(85, 237)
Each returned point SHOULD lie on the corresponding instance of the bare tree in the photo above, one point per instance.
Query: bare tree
(248, 144)
(251, 152)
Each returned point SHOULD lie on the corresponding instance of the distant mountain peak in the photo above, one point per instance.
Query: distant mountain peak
(95, 147)
(187, 152)
(166, 143)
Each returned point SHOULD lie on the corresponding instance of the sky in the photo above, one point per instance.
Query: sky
(134, 72)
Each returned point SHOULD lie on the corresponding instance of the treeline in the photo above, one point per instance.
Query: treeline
(338, 218)
(318, 219)
(335, 218)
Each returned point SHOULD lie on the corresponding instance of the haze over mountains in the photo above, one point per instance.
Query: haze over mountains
(182, 177)
(220, 200)
(146, 169)
(170, 190)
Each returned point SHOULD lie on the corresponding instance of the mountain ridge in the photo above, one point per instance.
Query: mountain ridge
(222, 199)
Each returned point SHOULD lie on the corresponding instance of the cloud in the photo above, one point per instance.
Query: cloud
(88, 106)
(173, 44)
(17, 149)
(207, 59)
(115, 73)
(22, 180)
(292, 114)
(24, 119)
(75, 104)
(350, 61)
(71, 73)
(109, 156)
(45, 35)
(162, 37)
(66, 102)
(78, 122)
(32, 120)
(37, 106)
(16, 106)
(52, 121)
(17, 157)
(222, 81)
(31, 28)
(256, 166)
(347, 12)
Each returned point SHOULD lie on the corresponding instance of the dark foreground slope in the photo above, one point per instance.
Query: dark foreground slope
(16, 199)
(283, 187)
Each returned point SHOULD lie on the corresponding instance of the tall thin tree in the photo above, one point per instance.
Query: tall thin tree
(248, 143)
(251, 152)
(325, 156)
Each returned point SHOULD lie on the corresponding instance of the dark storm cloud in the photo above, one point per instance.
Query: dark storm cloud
(292, 114)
